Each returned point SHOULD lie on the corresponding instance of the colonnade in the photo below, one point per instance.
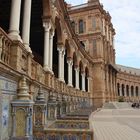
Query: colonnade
(15, 22)
(49, 31)
(127, 90)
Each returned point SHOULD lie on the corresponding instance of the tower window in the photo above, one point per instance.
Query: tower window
(81, 26)
(73, 25)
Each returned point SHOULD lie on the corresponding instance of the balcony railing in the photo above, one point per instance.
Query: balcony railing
(5, 46)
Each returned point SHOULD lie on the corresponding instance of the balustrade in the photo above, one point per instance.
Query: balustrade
(20, 63)
(5, 46)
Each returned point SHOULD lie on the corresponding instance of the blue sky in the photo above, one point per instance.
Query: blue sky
(126, 21)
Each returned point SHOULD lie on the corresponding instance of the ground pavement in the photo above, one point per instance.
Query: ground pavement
(116, 121)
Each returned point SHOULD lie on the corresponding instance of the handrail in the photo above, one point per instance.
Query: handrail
(5, 47)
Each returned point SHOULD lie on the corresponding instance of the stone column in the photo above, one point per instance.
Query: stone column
(70, 64)
(47, 27)
(77, 77)
(26, 24)
(51, 51)
(134, 91)
(61, 53)
(83, 81)
(124, 90)
(15, 20)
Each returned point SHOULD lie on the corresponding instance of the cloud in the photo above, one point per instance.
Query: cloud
(126, 21)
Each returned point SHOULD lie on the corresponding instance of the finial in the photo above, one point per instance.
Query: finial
(23, 93)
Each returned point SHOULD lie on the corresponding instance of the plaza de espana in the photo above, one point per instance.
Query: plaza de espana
(57, 65)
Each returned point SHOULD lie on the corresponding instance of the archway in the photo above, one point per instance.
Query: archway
(137, 91)
(66, 57)
(132, 91)
(80, 74)
(57, 40)
(127, 90)
(37, 31)
(55, 54)
(73, 69)
(122, 89)
(118, 89)
(86, 79)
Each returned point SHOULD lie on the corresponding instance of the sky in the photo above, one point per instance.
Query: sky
(126, 21)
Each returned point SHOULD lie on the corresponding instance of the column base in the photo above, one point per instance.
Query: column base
(77, 88)
(62, 80)
(27, 47)
(15, 36)
(70, 85)
(83, 90)
(46, 68)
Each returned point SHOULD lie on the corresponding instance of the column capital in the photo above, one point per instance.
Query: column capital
(61, 50)
(46, 25)
(83, 73)
(70, 61)
(51, 34)
(76, 68)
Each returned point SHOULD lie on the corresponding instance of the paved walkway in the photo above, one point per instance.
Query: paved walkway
(120, 123)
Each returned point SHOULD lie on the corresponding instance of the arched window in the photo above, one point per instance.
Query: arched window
(81, 26)
(118, 88)
(137, 91)
(122, 89)
(86, 79)
(127, 90)
(73, 25)
(132, 91)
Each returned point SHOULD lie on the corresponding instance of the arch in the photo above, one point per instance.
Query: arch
(68, 49)
(75, 59)
(118, 89)
(67, 55)
(73, 25)
(132, 90)
(73, 69)
(123, 90)
(81, 66)
(57, 40)
(37, 31)
(46, 8)
(86, 79)
(127, 90)
(137, 91)
(81, 70)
